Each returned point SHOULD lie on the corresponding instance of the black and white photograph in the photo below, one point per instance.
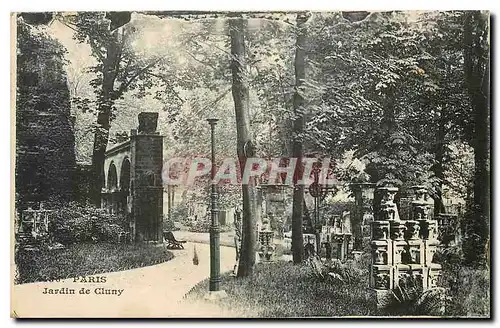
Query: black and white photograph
(251, 164)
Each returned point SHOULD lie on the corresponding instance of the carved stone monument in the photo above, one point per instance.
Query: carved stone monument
(402, 248)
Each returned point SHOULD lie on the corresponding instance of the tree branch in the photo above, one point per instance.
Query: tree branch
(167, 82)
(125, 85)
(92, 42)
(222, 95)
(200, 61)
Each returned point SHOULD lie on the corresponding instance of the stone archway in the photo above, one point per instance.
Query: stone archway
(112, 186)
(125, 175)
(125, 202)
(112, 182)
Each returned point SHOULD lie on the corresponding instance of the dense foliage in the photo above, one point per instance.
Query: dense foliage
(75, 223)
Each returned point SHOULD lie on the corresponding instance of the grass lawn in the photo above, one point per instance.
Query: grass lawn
(282, 289)
(86, 259)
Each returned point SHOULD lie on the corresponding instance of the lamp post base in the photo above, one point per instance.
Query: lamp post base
(215, 295)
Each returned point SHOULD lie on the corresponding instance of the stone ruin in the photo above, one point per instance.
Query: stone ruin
(133, 184)
(403, 247)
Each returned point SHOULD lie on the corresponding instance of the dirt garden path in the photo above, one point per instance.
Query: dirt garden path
(155, 291)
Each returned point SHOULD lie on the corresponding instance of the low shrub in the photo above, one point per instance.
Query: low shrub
(169, 225)
(200, 226)
(180, 212)
(85, 259)
(74, 223)
(204, 226)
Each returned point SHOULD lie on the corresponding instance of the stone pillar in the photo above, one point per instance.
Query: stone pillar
(363, 214)
(426, 236)
(146, 163)
(387, 245)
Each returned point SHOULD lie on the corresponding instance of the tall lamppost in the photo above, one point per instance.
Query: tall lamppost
(214, 285)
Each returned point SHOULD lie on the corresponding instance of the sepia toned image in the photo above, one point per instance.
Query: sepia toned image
(205, 164)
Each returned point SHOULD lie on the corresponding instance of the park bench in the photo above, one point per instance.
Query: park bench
(171, 241)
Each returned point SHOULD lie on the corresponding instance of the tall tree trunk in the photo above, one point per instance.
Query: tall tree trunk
(241, 108)
(105, 104)
(482, 161)
(438, 167)
(101, 137)
(477, 73)
(297, 144)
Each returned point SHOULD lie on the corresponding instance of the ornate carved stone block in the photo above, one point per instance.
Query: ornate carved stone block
(380, 230)
(388, 212)
(402, 273)
(388, 194)
(433, 230)
(398, 251)
(382, 277)
(420, 210)
(431, 247)
(398, 229)
(421, 193)
(381, 252)
(434, 274)
(412, 230)
(415, 252)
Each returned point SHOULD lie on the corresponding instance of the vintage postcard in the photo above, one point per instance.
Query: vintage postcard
(176, 164)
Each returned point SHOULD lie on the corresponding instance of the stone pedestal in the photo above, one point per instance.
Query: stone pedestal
(266, 246)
